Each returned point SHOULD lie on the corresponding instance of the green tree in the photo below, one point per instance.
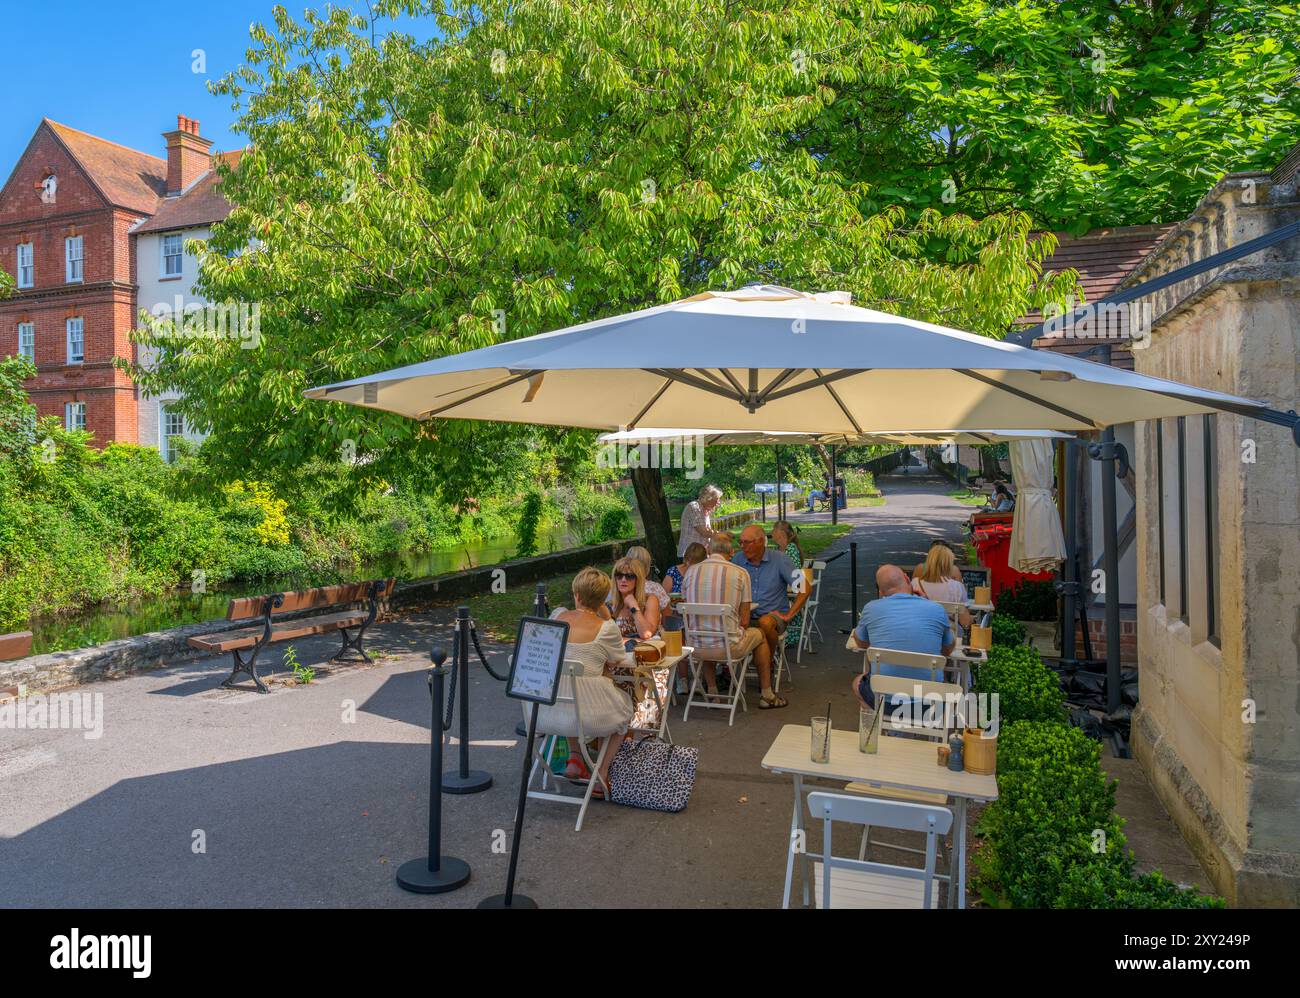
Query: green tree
(541, 163)
(1083, 113)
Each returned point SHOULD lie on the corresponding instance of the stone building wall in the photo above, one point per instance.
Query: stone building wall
(1218, 727)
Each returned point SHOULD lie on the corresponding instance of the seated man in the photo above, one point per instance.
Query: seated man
(717, 580)
(901, 620)
(770, 577)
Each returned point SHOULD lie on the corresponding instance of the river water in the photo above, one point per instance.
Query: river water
(108, 621)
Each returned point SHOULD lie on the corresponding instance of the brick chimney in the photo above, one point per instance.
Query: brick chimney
(188, 156)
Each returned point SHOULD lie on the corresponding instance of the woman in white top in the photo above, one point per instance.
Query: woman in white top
(937, 579)
(594, 643)
(696, 527)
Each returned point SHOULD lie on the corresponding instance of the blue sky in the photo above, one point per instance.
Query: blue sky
(121, 69)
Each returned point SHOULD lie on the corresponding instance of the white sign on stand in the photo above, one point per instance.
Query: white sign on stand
(538, 659)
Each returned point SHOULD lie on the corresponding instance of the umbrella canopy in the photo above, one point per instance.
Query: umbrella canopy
(974, 438)
(1037, 544)
(765, 358)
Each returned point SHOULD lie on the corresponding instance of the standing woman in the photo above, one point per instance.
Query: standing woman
(785, 537)
(636, 613)
(697, 528)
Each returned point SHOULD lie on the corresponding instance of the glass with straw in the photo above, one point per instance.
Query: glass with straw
(821, 737)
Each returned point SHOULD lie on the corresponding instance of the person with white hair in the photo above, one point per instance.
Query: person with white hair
(696, 527)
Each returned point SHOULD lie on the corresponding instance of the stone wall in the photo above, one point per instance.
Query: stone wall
(1218, 727)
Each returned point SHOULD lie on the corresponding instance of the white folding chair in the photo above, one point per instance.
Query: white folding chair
(843, 882)
(710, 630)
(568, 693)
(938, 665)
(886, 687)
(810, 611)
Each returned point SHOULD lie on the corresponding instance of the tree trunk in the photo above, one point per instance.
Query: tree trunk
(653, 504)
(989, 466)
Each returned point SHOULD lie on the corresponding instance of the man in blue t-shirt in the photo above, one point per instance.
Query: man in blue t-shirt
(901, 620)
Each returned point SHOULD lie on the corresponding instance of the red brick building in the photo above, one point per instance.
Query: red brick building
(66, 215)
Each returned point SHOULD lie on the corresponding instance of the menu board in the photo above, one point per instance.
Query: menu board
(972, 576)
(537, 660)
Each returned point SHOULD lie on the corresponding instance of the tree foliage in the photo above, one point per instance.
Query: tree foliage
(541, 163)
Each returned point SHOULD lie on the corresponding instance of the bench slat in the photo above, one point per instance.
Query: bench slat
(246, 637)
(247, 607)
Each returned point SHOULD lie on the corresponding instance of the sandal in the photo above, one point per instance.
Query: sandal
(577, 770)
(598, 792)
(776, 703)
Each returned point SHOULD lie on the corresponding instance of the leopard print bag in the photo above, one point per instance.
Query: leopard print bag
(653, 775)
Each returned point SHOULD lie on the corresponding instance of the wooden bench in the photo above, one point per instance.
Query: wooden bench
(16, 645)
(265, 608)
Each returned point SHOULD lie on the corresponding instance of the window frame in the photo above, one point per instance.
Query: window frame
(69, 408)
(1184, 588)
(79, 260)
(29, 327)
(178, 256)
(164, 438)
(30, 266)
(1160, 502)
(81, 329)
(1213, 598)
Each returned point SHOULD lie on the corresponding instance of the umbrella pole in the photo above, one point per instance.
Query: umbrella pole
(835, 490)
(780, 503)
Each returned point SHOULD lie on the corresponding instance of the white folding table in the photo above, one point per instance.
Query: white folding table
(899, 762)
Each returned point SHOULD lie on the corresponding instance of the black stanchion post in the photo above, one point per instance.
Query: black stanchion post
(434, 873)
(835, 490)
(853, 588)
(464, 780)
(510, 899)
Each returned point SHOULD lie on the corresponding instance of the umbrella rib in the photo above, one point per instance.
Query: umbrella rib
(815, 382)
(704, 373)
(734, 383)
(1010, 389)
(659, 394)
(430, 413)
(694, 382)
(839, 402)
(778, 381)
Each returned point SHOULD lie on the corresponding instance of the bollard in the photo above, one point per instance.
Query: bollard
(464, 780)
(853, 588)
(434, 873)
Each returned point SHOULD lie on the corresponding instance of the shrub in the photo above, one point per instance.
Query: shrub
(614, 525)
(530, 517)
(1109, 885)
(1027, 689)
(1028, 601)
(1007, 630)
(1055, 810)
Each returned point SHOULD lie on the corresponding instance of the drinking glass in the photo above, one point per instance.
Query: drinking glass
(821, 739)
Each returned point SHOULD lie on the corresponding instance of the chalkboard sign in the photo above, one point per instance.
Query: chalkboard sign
(538, 659)
(972, 576)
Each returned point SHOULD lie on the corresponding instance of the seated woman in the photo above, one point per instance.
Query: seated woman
(594, 643)
(652, 587)
(1002, 501)
(937, 578)
(785, 537)
(634, 610)
(694, 554)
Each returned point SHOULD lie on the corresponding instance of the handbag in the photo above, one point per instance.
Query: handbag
(653, 775)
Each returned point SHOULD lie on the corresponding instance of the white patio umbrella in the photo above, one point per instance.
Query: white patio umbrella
(769, 358)
(715, 437)
(1037, 543)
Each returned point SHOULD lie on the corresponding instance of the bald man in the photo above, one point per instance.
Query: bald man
(903, 621)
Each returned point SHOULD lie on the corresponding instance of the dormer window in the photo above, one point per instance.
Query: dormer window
(72, 249)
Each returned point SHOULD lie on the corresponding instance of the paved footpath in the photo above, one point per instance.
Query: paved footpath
(195, 796)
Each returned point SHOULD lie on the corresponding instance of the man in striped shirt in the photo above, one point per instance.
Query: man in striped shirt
(717, 580)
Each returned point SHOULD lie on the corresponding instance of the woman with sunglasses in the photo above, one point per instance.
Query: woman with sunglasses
(636, 613)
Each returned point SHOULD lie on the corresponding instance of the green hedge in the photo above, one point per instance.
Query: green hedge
(1052, 838)
(1027, 690)
(1030, 600)
(1007, 630)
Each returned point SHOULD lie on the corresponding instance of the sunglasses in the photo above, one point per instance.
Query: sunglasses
(625, 576)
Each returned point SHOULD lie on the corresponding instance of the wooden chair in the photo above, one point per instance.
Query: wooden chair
(843, 882)
(710, 630)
